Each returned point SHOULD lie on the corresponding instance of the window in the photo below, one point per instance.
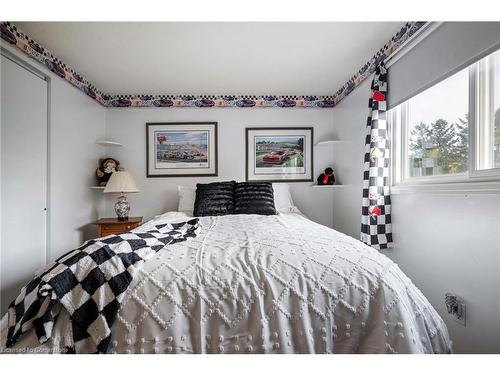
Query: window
(438, 128)
(450, 132)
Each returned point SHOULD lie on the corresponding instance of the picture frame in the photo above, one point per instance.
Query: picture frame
(181, 149)
(279, 154)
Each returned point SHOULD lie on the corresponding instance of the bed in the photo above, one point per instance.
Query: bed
(263, 284)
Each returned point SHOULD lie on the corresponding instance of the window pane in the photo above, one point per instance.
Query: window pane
(438, 129)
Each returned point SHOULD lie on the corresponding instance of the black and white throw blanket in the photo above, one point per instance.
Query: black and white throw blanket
(89, 283)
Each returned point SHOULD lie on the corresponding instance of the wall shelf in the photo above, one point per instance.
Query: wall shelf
(109, 143)
(98, 187)
(327, 142)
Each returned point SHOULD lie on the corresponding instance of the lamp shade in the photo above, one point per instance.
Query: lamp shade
(121, 182)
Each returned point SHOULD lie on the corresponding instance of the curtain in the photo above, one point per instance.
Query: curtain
(376, 227)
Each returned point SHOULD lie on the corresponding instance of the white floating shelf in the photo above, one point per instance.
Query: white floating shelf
(109, 143)
(327, 142)
(98, 187)
(327, 186)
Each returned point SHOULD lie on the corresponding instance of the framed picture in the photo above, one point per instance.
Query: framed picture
(279, 154)
(176, 149)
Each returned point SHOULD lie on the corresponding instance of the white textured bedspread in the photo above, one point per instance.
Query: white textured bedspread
(271, 284)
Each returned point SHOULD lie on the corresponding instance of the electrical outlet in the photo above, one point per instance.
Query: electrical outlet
(456, 307)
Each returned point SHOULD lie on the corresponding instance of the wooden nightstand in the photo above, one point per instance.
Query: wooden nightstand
(107, 226)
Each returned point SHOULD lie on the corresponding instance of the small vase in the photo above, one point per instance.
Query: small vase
(122, 208)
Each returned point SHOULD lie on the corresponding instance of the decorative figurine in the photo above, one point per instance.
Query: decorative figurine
(326, 178)
(106, 168)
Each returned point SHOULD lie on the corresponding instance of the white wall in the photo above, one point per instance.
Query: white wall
(76, 122)
(159, 195)
(451, 243)
(443, 242)
(349, 118)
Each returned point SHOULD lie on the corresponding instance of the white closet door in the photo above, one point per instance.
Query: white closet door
(23, 177)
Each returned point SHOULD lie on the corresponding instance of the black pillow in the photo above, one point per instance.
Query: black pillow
(254, 198)
(214, 199)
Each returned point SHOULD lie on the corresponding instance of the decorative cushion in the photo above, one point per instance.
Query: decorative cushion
(282, 198)
(187, 195)
(254, 198)
(214, 199)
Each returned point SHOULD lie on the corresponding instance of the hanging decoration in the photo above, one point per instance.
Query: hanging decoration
(376, 226)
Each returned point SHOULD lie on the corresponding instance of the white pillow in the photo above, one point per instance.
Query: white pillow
(283, 201)
(187, 195)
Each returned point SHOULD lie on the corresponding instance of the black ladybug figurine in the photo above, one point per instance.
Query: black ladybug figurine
(327, 178)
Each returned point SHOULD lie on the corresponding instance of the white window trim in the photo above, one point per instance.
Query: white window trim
(480, 94)
(472, 187)
(474, 181)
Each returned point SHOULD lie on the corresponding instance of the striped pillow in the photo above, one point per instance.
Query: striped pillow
(214, 199)
(254, 198)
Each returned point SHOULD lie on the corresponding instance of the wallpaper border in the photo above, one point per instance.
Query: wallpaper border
(14, 36)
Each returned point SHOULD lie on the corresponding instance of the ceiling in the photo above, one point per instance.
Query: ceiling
(278, 58)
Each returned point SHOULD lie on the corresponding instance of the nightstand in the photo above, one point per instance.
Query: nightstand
(107, 226)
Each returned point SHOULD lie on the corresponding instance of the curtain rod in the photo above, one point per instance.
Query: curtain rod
(407, 46)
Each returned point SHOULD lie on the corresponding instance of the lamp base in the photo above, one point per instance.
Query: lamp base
(122, 208)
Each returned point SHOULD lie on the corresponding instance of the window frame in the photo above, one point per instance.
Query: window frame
(474, 179)
(480, 97)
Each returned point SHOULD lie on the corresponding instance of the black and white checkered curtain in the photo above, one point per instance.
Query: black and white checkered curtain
(376, 228)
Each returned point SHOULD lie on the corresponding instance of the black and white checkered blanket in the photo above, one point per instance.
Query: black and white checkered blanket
(89, 283)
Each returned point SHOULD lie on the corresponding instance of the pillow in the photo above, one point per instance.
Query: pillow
(254, 198)
(186, 199)
(282, 199)
(214, 199)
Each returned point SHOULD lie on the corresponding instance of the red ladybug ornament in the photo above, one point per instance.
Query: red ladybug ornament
(375, 211)
(378, 96)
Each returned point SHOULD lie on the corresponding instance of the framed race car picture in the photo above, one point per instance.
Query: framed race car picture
(181, 149)
(279, 154)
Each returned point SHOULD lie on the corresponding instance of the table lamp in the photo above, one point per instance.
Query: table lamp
(121, 182)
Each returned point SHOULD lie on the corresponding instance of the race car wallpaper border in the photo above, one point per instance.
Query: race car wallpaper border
(12, 35)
